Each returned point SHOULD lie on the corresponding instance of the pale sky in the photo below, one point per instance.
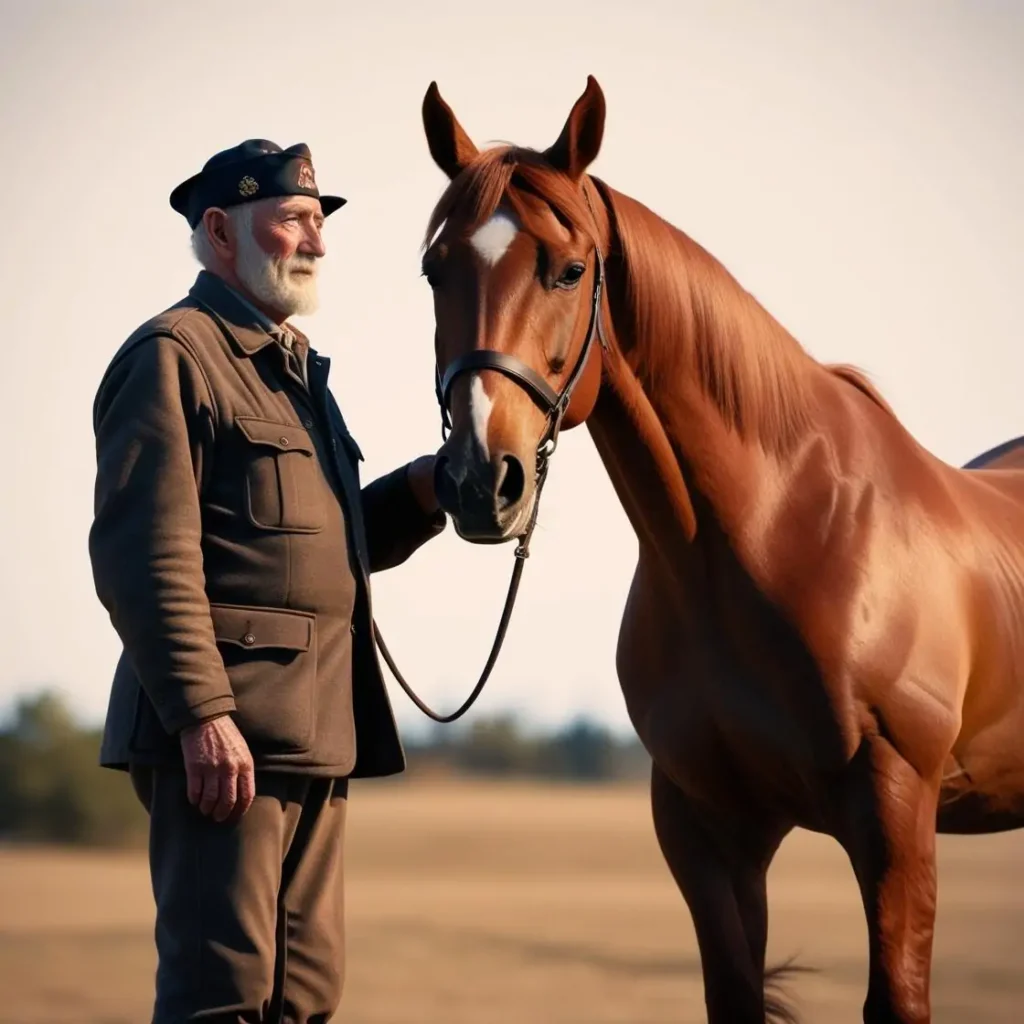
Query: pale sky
(859, 167)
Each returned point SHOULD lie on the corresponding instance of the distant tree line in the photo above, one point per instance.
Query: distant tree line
(51, 786)
(52, 789)
(499, 746)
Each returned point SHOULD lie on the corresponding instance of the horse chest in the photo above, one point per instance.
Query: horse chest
(727, 737)
(718, 729)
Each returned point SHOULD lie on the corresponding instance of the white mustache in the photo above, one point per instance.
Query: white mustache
(301, 261)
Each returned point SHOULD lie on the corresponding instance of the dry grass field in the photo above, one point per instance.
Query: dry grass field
(481, 903)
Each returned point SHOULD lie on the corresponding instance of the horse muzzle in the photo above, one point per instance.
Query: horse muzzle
(486, 498)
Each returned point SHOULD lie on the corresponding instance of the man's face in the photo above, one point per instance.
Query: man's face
(277, 245)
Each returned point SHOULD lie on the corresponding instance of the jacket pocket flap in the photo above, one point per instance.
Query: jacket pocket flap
(285, 437)
(256, 628)
(350, 442)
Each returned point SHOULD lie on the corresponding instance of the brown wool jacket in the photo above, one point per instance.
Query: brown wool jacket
(232, 546)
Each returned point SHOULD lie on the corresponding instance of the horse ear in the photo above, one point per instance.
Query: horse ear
(450, 146)
(580, 141)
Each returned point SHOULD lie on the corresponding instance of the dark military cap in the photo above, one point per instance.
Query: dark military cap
(254, 169)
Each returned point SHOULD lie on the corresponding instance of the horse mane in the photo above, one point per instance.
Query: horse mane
(855, 376)
(690, 318)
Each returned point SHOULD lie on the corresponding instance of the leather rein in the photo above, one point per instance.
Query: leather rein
(554, 405)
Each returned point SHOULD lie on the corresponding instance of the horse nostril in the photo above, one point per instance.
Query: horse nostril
(512, 482)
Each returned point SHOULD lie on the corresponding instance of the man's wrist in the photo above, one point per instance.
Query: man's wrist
(193, 727)
(420, 474)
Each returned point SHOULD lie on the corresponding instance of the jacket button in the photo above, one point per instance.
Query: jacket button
(307, 423)
(248, 639)
(283, 441)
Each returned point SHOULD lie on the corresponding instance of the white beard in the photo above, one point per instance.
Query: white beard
(287, 286)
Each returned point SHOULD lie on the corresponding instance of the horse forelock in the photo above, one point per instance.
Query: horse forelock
(516, 177)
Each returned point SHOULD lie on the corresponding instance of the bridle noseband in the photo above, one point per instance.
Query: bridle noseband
(554, 405)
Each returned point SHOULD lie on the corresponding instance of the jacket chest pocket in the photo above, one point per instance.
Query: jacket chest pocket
(283, 486)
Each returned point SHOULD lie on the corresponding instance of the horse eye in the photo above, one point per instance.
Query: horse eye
(571, 275)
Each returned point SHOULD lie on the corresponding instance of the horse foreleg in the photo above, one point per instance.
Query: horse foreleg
(889, 834)
(721, 872)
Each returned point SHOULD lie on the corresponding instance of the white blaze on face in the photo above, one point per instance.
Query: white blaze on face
(480, 405)
(492, 240)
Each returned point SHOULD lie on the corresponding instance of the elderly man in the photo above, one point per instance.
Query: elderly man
(232, 547)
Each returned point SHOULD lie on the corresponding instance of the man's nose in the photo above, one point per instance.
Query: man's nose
(314, 244)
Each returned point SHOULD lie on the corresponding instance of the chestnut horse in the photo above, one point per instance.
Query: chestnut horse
(826, 624)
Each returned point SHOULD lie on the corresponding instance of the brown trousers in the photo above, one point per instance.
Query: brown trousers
(249, 915)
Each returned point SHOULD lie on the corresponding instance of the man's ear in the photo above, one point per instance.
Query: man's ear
(450, 146)
(218, 232)
(580, 142)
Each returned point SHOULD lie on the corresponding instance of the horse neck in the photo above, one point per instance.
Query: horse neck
(704, 397)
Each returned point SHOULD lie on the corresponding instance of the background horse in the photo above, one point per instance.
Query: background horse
(826, 624)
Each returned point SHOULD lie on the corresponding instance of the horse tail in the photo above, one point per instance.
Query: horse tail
(777, 1007)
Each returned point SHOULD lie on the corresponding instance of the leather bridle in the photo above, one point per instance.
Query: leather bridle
(555, 404)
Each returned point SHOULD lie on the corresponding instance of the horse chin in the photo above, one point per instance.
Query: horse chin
(506, 526)
(475, 534)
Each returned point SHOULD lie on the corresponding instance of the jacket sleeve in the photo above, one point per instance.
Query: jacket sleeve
(154, 419)
(396, 524)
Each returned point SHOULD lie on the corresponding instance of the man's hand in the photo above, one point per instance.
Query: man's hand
(219, 768)
(421, 479)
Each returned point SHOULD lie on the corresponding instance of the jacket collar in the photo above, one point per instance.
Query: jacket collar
(248, 326)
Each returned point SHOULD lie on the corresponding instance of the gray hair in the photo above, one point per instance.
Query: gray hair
(241, 220)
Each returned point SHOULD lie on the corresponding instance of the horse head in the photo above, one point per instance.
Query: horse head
(513, 254)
